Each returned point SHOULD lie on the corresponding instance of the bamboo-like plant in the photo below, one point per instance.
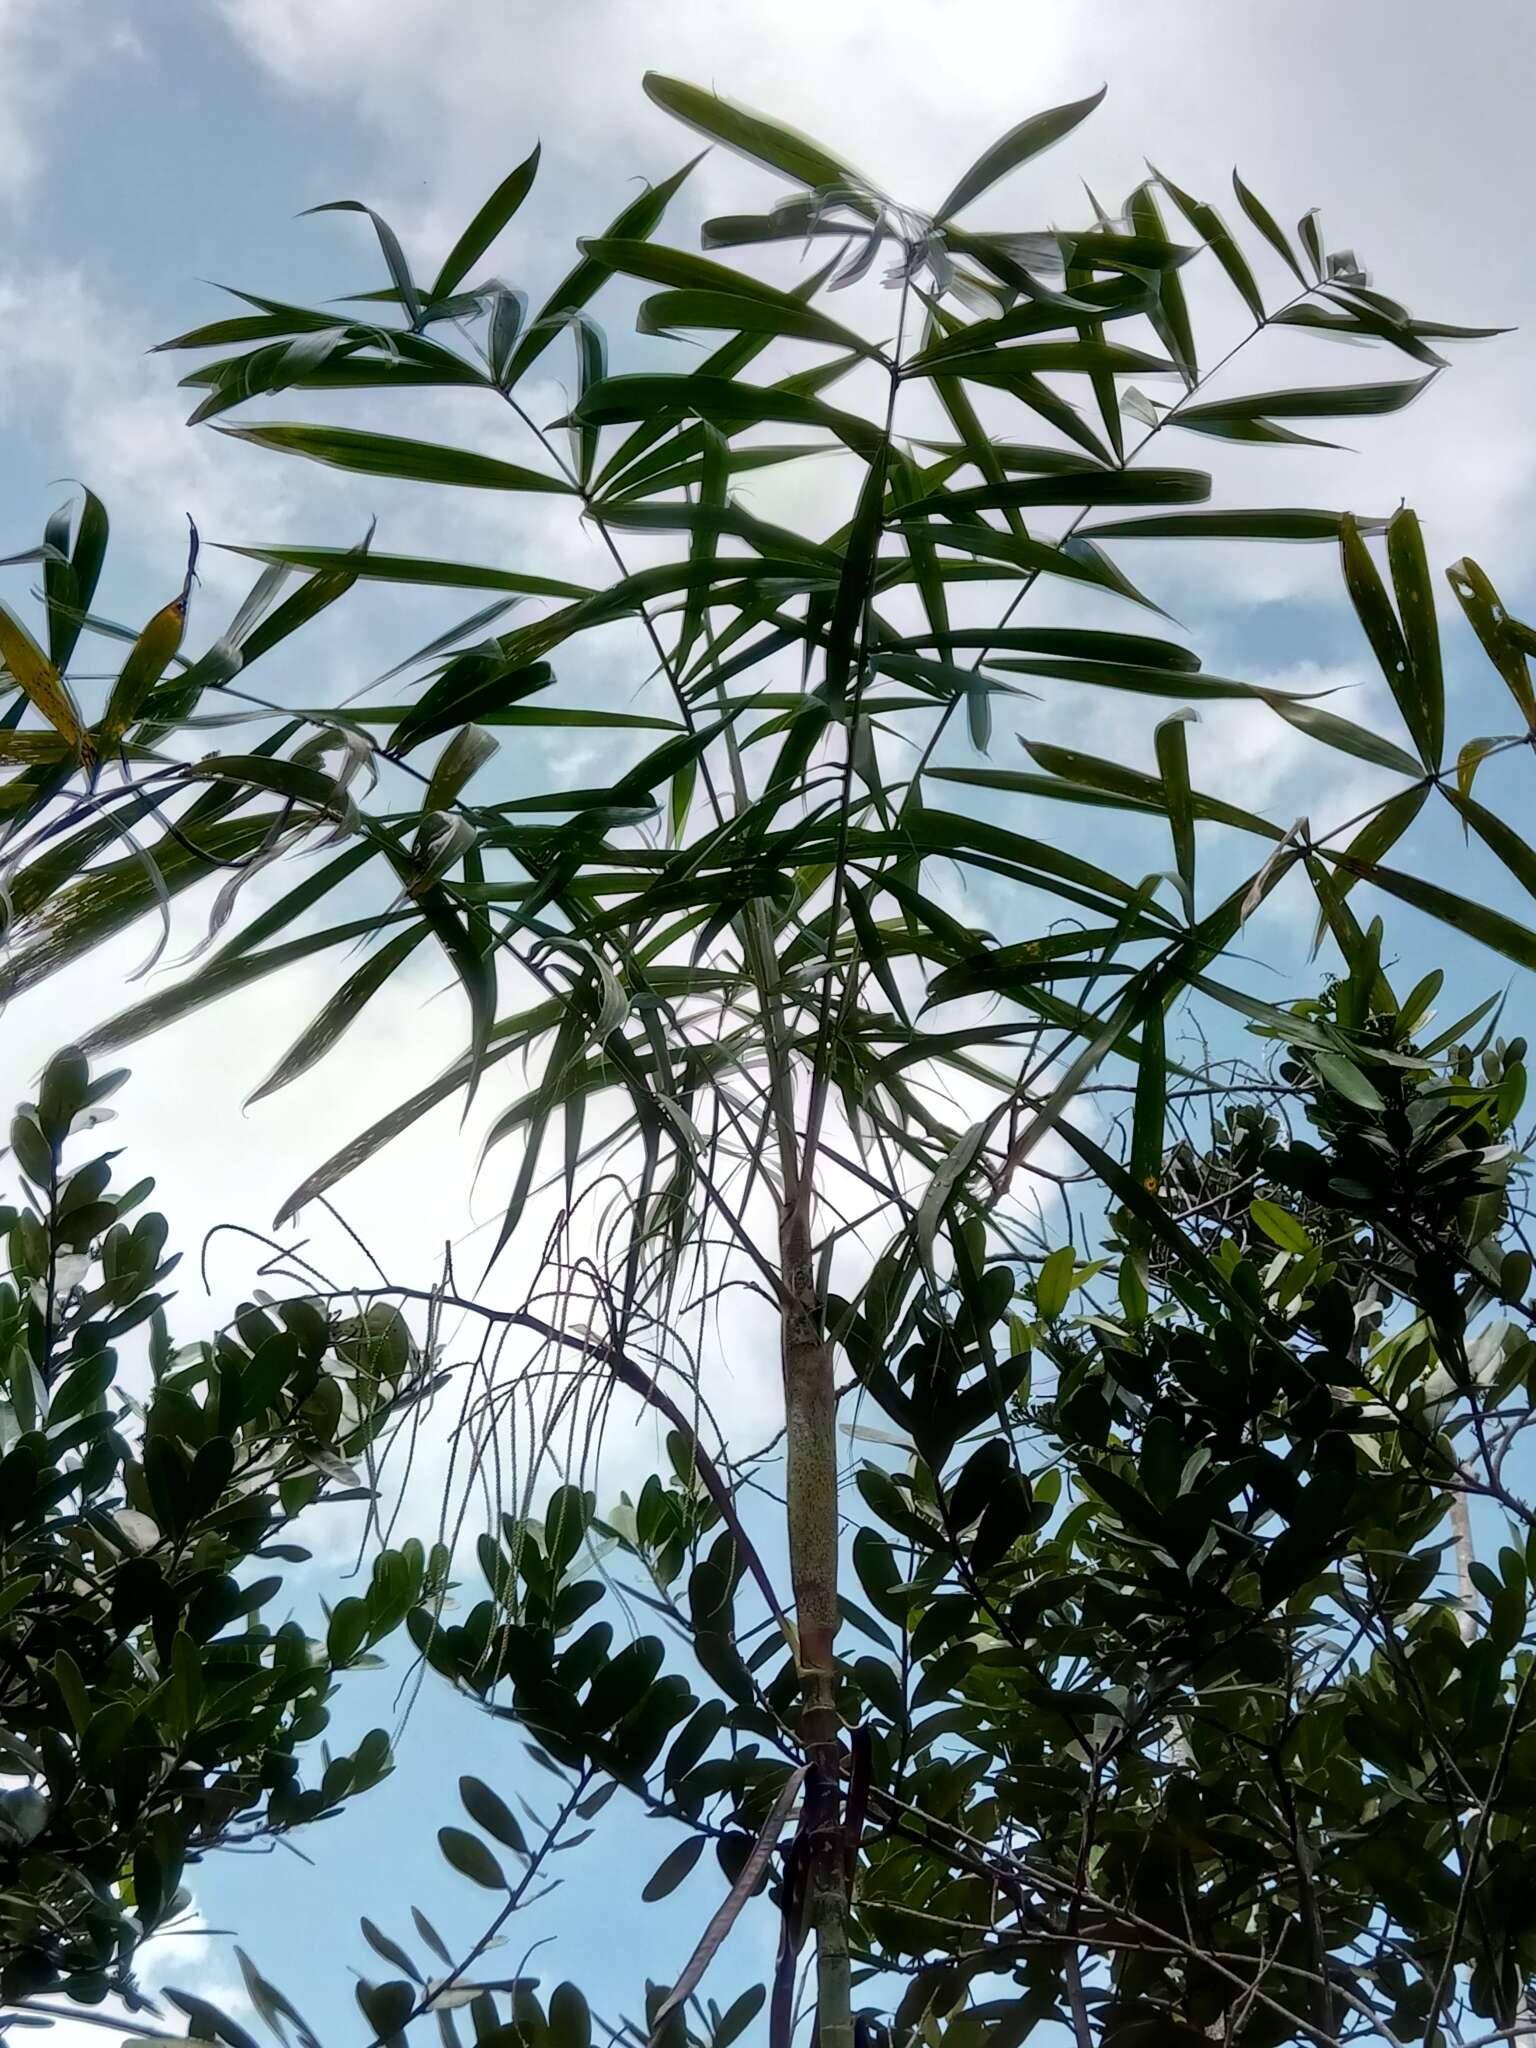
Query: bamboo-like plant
(727, 964)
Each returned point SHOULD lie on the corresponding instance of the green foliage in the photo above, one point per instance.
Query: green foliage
(768, 820)
(148, 1710)
(1167, 1726)
(1178, 1710)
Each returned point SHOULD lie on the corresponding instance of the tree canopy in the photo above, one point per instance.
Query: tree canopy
(149, 1711)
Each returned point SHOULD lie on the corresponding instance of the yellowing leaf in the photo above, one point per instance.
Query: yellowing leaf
(148, 659)
(39, 680)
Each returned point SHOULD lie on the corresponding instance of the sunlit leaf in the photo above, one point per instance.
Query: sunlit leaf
(40, 681)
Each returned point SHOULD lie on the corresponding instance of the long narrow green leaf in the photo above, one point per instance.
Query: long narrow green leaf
(1079, 642)
(486, 225)
(85, 565)
(1266, 524)
(1170, 315)
(244, 327)
(946, 1184)
(1268, 227)
(1030, 359)
(1516, 852)
(1151, 681)
(854, 584)
(1375, 838)
(702, 293)
(944, 832)
(1032, 556)
(1019, 782)
(729, 360)
(640, 218)
(1341, 733)
(1089, 771)
(1206, 221)
(668, 312)
(1158, 1219)
(290, 906)
(1083, 487)
(1416, 603)
(387, 455)
(389, 242)
(1331, 402)
(719, 518)
(472, 689)
(1151, 1107)
(1041, 399)
(1489, 620)
(591, 369)
(347, 368)
(1373, 608)
(39, 681)
(727, 405)
(757, 136)
(342, 1010)
(59, 594)
(1478, 920)
(1106, 299)
(1028, 139)
(107, 900)
(418, 569)
(1171, 744)
(476, 972)
(510, 1036)
(223, 976)
(148, 659)
(714, 478)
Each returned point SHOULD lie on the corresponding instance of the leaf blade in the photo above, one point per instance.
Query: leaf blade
(390, 455)
(486, 225)
(1032, 135)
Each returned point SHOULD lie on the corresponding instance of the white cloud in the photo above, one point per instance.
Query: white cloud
(44, 45)
(74, 367)
(191, 1955)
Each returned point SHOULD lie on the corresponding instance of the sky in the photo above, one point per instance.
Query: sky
(149, 147)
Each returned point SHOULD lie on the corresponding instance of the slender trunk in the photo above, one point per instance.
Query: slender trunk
(1461, 1530)
(810, 1413)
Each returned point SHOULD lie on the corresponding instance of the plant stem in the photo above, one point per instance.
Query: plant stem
(810, 1411)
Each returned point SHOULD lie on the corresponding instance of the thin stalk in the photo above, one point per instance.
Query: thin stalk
(810, 1417)
(762, 962)
(1466, 1591)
